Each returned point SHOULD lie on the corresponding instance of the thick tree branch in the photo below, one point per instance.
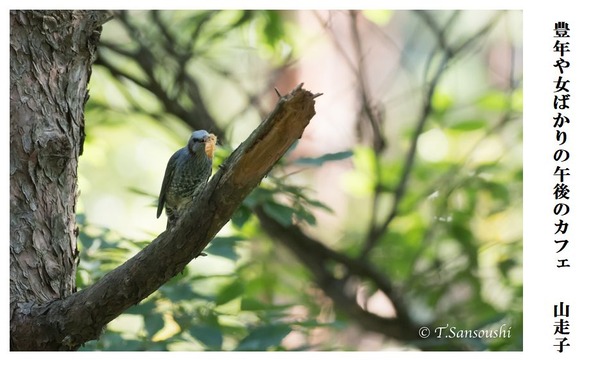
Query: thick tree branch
(316, 257)
(66, 324)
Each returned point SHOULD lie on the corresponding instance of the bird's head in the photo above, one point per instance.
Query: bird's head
(197, 142)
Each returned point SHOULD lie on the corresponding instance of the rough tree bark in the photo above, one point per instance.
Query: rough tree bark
(51, 54)
(46, 139)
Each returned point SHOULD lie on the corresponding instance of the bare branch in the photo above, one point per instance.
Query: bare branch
(378, 140)
(377, 231)
(196, 118)
(66, 324)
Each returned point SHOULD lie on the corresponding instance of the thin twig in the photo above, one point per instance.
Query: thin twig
(448, 54)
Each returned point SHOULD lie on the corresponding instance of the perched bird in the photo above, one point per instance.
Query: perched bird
(187, 171)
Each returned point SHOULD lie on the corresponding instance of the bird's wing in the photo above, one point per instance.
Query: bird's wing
(169, 171)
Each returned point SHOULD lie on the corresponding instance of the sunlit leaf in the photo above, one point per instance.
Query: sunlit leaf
(378, 16)
(441, 101)
(469, 125)
(517, 100)
(494, 101)
(361, 181)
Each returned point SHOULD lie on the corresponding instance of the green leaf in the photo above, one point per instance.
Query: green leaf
(153, 323)
(316, 203)
(260, 339)
(361, 181)
(224, 247)
(498, 191)
(273, 29)
(507, 265)
(494, 101)
(179, 292)
(324, 158)
(252, 304)
(144, 308)
(230, 292)
(441, 102)
(258, 196)
(241, 216)
(305, 215)
(469, 125)
(282, 214)
(207, 335)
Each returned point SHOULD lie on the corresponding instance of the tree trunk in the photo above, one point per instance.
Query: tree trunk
(51, 54)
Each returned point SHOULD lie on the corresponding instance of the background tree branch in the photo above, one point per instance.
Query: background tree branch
(318, 258)
(66, 324)
(176, 55)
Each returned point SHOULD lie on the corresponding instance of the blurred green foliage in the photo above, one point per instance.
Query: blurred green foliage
(453, 244)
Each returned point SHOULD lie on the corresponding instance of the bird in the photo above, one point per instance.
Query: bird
(187, 172)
